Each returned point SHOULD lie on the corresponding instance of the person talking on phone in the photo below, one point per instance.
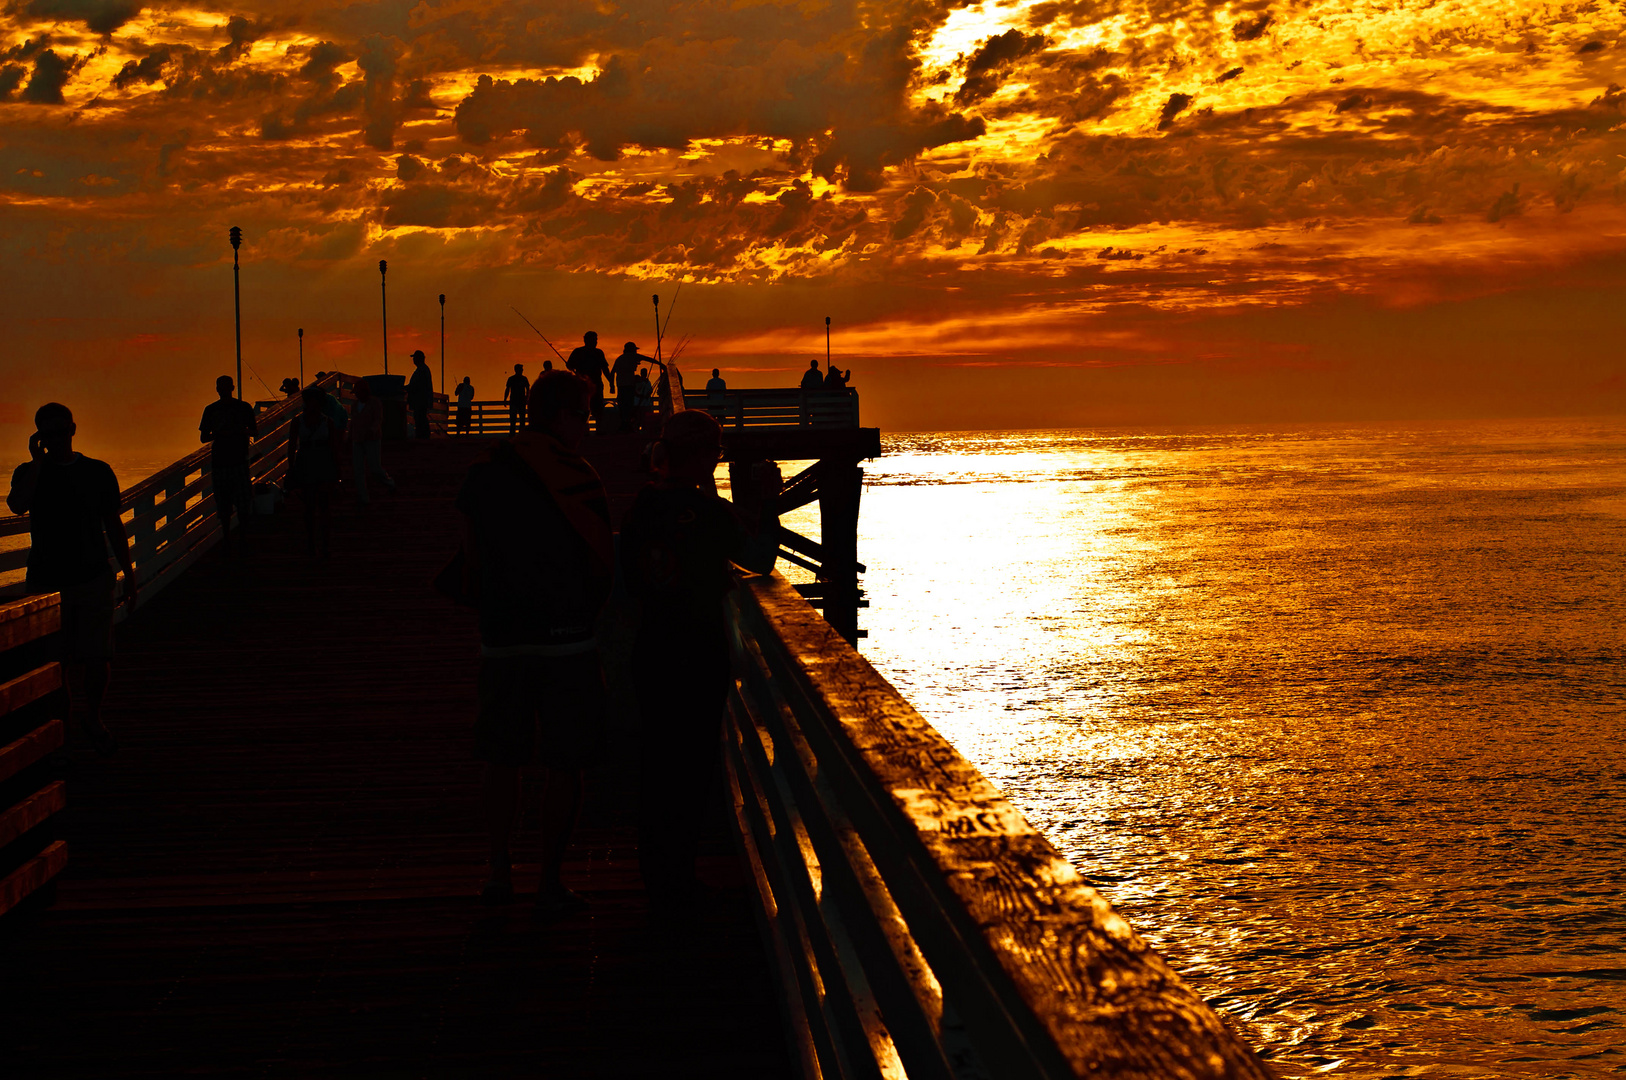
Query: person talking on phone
(72, 503)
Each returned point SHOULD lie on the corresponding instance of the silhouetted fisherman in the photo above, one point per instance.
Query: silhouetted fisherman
(538, 562)
(465, 407)
(228, 426)
(643, 400)
(515, 393)
(835, 382)
(811, 379)
(313, 447)
(715, 384)
(367, 441)
(289, 386)
(676, 546)
(587, 360)
(72, 503)
(420, 394)
(623, 379)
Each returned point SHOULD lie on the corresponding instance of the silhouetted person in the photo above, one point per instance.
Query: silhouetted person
(313, 447)
(420, 394)
(465, 408)
(515, 393)
(811, 379)
(715, 384)
(643, 403)
(623, 379)
(367, 441)
(676, 545)
(289, 386)
(547, 366)
(72, 503)
(834, 381)
(228, 427)
(538, 564)
(587, 360)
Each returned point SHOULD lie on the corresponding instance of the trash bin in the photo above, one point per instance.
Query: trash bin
(391, 390)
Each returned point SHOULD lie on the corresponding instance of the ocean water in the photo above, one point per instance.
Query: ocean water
(1333, 715)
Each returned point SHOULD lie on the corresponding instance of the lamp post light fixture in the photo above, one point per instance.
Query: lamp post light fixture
(301, 357)
(237, 301)
(384, 309)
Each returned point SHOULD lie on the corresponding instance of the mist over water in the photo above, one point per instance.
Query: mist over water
(1333, 715)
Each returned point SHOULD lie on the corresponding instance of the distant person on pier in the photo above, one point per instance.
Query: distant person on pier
(289, 386)
(715, 384)
(643, 398)
(516, 393)
(367, 442)
(835, 381)
(811, 379)
(313, 447)
(465, 407)
(623, 380)
(420, 394)
(676, 545)
(547, 366)
(538, 563)
(72, 503)
(587, 360)
(228, 426)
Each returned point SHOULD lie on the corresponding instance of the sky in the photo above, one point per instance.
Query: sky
(1036, 213)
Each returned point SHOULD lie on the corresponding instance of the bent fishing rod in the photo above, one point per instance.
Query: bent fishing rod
(541, 335)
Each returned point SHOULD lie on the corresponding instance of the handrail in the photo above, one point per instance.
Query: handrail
(170, 516)
(916, 918)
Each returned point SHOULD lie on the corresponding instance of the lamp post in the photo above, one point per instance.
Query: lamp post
(657, 299)
(384, 309)
(443, 343)
(237, 301)
(827, 343)
(301, 357)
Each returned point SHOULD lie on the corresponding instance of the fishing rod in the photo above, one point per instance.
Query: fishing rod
(256, 375)
(541, 335)
(669, 309)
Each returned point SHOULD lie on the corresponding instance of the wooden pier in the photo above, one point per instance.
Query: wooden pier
(276, 873)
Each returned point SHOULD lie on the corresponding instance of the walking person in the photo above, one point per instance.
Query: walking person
(367, 441)
(72, 503)
(313, 449)
(587, 360)
(538, 564)
(465, 407)
(516, 392)
(420, 394)
(676, 546)
(228, 426)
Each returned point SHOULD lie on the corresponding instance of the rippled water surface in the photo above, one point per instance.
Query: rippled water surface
(1333, 715)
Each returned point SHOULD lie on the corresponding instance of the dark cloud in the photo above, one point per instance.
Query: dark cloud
(148, 70)
(377, 60)
(1229, 75)
(50, 76)
(243, 33)
(1172, 108)
(102, 16)
(985, 70)
(321, 61)
(1251, 29)
(11, 77)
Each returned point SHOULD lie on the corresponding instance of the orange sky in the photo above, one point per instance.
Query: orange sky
(1035, 213)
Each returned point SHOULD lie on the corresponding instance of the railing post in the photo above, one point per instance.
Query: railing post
(841, 483)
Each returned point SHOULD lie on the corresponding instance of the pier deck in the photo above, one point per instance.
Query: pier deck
(275, 875)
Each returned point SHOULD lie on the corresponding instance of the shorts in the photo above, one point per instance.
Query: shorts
(87, 619)
(232, 488)
(541, 710)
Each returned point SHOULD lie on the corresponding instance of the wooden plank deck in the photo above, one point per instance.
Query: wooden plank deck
(276, 873)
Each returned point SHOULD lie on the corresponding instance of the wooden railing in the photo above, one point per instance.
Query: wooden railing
(31, 728)
(920, 926)
(733, 408)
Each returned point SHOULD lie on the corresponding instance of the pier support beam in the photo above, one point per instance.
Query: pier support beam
(841, 483)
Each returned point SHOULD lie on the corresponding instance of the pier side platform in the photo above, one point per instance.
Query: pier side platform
(277, 872)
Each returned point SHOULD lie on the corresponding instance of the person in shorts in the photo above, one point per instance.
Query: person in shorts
(228, 426)
(72, 503)
(537, 565)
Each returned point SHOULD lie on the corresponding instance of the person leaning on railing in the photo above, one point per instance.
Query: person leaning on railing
(72, 503)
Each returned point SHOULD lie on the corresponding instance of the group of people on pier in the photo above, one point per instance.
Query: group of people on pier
(538, 560)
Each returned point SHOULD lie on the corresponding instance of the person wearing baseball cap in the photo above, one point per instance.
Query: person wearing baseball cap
(420, 394)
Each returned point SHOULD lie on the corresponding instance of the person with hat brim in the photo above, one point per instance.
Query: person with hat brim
(623, 381)
(420, 394)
